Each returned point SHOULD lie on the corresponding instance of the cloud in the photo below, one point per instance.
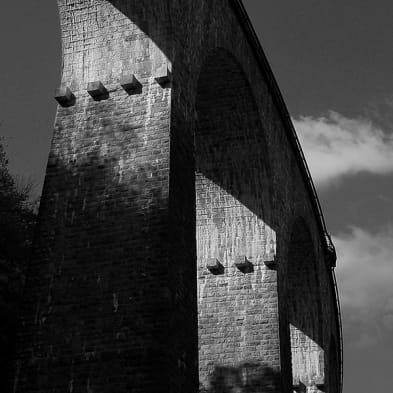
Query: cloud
(335, 146)
(365, 277)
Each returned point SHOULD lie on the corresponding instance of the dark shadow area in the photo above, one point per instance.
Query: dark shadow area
(245, 378)
(300, 388)
(101, 97)
(153, 17)
(234, 201)
(17, 220)
(97, 303)
(248, 268)
(230, 147)
(304, 321)
(65, 100)
(136, 89)
(97, 91)
(165, 81)
(11, 281)
(303, 283)
(215, 267)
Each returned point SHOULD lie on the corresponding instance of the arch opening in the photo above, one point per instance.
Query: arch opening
(304, 312)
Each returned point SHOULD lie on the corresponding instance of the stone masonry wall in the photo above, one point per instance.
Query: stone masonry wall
(238, 309)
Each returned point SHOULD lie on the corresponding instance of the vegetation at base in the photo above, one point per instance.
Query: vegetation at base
(17, 220)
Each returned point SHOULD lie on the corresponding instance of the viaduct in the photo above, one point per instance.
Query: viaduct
(180, 244)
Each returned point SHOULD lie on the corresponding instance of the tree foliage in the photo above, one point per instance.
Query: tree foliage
(17, 221)
(16, 216)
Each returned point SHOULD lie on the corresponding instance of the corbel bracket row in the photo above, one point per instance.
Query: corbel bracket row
(97, 90)
(241, 262)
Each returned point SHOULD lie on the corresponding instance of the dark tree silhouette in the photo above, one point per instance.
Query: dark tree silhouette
(17, 220)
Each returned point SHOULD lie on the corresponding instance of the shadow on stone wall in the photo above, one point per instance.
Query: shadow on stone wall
(98, 269)
(245, 378)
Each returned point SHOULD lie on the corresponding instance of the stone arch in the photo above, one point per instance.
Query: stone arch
(233, 221)
(229, 138)
(304, 310)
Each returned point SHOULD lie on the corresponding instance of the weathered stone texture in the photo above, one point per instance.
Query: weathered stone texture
(144, 187)
(238, 309)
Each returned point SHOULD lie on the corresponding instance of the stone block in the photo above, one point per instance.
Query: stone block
(130, 84)
(97, 90)
(64, 96)
(243, 264)
(163, 76)
(214, 266)
(270, 262)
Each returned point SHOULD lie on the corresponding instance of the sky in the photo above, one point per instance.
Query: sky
(333, 61)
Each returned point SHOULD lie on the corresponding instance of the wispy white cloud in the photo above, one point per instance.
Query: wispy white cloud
(365, 273)
(335, 146)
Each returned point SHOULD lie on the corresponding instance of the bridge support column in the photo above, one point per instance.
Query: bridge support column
(110, 301)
